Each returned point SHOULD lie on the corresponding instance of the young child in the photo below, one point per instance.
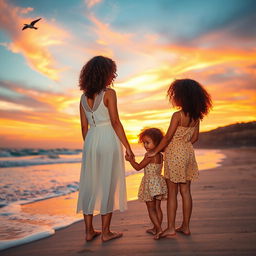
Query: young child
(180, 163)
(153, 186)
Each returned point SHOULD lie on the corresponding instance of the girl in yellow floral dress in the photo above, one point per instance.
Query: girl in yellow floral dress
(153, 186)
(180, 166)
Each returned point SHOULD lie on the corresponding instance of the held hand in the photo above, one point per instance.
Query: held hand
(127, 158)
(129, 154)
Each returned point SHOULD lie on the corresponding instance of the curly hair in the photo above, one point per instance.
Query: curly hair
(191, 97)
(96, 75)
(154, 134)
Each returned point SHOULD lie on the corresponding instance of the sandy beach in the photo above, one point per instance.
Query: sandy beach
(223, 220)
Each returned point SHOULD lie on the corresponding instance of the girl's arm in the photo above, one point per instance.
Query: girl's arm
(168, 136)
(139, 166)
(111, 103)
(84, 121)
(195, 134)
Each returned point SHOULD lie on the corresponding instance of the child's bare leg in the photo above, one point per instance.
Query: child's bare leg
(106, 233)
(159, 211)
(171, 208)
(159, 214)
(186, 206)
(89, 230)
(151, 206)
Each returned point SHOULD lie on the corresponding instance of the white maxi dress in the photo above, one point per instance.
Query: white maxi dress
(102, 187)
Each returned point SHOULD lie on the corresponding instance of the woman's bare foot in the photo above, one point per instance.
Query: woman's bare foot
(168, 233)
(110, 236)
(184, 231)
(151, 231)
(92, 235)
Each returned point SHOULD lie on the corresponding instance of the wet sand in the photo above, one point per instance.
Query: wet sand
(223, 220)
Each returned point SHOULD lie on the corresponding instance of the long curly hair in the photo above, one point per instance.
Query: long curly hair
(97, 74)
(191, 97)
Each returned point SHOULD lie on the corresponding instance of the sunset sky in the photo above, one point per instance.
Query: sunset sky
(152, 41)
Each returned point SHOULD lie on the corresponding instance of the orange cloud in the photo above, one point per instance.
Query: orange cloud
(91, 3)
(33, 45)
(225, 74)
(228, 73)
(124, 46)
(47, 122)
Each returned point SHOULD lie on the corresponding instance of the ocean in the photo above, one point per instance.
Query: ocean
(38, 189)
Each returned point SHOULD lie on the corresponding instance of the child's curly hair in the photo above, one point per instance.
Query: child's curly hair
(95, 75)
(191, 97)
(153, 133)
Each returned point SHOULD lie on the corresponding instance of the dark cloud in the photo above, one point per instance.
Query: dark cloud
(244, 28)
(235, 17)
(233, 77)
(20, 116)
(24, 95)
(20, 98)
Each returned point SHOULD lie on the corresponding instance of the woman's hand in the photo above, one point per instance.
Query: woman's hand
(129, 154)
(127, 158)
(150, 154)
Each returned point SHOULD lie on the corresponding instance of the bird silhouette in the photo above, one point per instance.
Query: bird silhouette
(31, 25)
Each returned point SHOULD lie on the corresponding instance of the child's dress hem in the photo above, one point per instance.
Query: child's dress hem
(153, 184)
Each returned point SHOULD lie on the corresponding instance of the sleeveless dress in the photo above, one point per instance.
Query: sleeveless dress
(153, 184)
(180, 162)
(102, 187)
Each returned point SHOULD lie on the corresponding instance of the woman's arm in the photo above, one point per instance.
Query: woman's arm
(111, 102)
(138, 166)
(84, 121)
(195, 134)
(168, 136)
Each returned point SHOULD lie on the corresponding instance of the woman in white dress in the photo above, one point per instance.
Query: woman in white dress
(102, 186)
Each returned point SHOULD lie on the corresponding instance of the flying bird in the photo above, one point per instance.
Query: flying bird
(31, 25)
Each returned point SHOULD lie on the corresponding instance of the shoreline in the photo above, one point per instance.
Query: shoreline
(134, 221)
(38, 218)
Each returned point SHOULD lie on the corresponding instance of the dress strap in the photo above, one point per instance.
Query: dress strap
(84, 103)
(161, 158)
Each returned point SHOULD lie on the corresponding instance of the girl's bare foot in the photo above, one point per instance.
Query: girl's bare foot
(151, 231)
(168, 233)
(184, 231)
(158, 234)
(92, 235)
(110, 236)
